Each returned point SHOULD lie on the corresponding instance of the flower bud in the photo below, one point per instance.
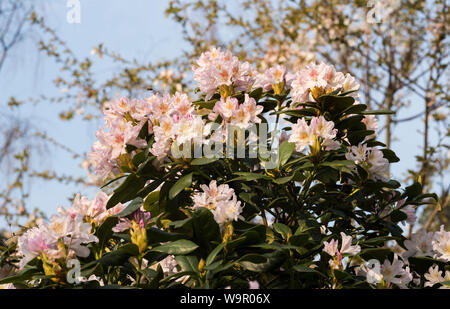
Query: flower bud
(139, 236)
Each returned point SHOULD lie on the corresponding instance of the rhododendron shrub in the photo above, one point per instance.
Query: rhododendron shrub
(269, 179)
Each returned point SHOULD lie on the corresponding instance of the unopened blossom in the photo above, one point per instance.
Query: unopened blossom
(140, 216)
(221, 200)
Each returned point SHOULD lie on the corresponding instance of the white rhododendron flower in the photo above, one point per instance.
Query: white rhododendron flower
(303, 135)
(371, 159)
(331, 247)
(433, 276)
(396, 272)
(346, 246)
(44, 240)
(221, 200)
(420, 244)
(441, 244)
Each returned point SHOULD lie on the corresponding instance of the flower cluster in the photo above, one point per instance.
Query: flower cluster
(240, 115)
(275, 78)
(423, 243)
(221, 200)
(317, 79)
(123, 120)
(175, 123)
(395, 272)
(306, 135)
(65, 236)
(220, 70)
(371, 159)
(67, 232)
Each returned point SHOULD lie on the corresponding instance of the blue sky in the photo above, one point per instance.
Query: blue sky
(135, 29)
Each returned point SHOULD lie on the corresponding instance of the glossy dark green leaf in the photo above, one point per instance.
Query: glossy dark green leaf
(180, 185)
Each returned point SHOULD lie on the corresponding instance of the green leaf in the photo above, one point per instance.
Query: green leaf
(104, 232)
(112, 180)
(203, 161)
(356, 137)
(379, 254)
(127, 190)
(181, 223)
(187, 263)
(338, 164)
(377, 112)
(182, 246)
(180, 185)
(211, 257)
(283, 180)
(355, 109)
(299, 113)
(208, 104)
(336, 104)
(285, 152)
(253, 262)
(132, 207)
(413, 190)
(282, 229)
(398, 215)
(390, 155)
(149, 273)
(119, 256)
(23, 275)
(152, 201)
(205, 228)
(155, 235)
(299, 239)
(421, 264)
(245, 176)
(305, 269)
